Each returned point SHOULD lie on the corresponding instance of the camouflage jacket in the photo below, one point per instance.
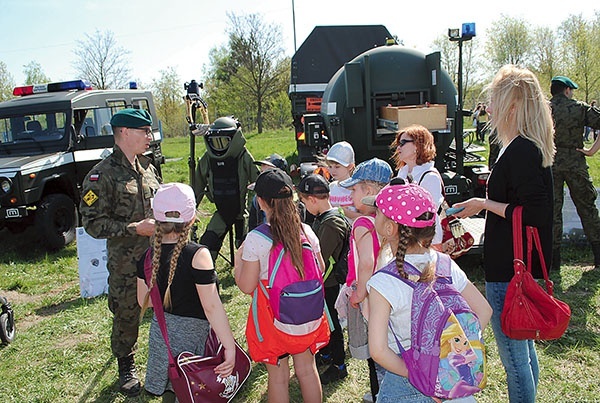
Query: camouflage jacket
(570, 117)
(116, 195)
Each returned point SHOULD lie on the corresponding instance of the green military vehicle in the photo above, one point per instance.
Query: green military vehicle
(50, 137)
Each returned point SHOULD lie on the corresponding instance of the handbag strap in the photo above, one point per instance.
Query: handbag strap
(157, 304)
(533, 238)
(533, 235)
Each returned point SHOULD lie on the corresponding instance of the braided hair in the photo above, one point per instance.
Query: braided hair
(162, 228)
(411, 236)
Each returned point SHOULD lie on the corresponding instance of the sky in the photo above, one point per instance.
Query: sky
(179, 34)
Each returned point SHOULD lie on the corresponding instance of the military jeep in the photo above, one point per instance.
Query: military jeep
(50, 137)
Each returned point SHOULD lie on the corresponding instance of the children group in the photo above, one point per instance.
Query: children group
(353, 224)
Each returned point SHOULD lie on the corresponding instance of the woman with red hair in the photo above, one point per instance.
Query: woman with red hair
(414, 153)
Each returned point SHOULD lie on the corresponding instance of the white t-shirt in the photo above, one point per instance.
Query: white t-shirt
(399, 295)
(340, 196)
(257, 248)
(432, 183)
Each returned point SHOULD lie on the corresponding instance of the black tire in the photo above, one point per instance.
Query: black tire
(56, 220)
(7, 329)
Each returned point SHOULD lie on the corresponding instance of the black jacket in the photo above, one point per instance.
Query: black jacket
(518, 179)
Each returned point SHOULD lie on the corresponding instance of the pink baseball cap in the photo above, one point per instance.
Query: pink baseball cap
(174, 202)
(405, 203)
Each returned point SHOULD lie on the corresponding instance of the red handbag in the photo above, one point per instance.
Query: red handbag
(530, 312)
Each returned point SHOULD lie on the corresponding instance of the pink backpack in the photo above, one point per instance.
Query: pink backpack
(298, 304)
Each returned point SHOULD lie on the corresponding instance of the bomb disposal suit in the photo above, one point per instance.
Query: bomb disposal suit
(223, 174)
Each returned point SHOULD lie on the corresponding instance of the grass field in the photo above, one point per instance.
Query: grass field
(62, 354)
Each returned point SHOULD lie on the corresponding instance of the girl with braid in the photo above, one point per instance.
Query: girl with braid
(187, 281)
(274, 191)
(406, 219)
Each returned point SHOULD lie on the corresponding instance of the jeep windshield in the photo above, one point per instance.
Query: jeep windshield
(33, 133)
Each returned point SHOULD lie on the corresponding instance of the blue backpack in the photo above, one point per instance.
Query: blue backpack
(447, 354)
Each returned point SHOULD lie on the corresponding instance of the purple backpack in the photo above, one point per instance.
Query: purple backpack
(447, 354)
(298, 303)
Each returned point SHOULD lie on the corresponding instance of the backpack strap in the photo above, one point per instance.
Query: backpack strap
(370, 226)
(438, 175)
(329, 215)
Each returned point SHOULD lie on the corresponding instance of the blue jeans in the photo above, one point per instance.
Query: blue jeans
(518, 356)
(395, 388)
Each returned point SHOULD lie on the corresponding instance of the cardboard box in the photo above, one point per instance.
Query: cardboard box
(92, 256)
(432, 116)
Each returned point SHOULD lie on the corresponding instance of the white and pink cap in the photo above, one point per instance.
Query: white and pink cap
(405, 203)
(174, 202)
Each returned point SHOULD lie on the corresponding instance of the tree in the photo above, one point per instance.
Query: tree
(252, 63)
(581, 53)
(34, 74)
(509, 42)
(544, 60)
(7, 83)
(168, 99)
(101, 61)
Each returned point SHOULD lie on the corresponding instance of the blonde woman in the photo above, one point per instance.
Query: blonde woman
(187, 281)
(522, 176)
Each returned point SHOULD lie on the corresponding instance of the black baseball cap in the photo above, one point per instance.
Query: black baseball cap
(313, 184)
(274, 184)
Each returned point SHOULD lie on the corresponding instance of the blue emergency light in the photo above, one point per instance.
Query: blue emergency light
(77, 85)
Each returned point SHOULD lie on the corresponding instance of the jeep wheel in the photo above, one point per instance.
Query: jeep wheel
(56, 219)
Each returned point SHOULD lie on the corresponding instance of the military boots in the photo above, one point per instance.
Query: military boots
(129, 383)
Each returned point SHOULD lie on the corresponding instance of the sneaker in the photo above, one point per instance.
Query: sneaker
(368, 398)
(323, 359)
(333, 373)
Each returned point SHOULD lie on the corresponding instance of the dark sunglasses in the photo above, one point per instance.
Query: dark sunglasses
(404, 141)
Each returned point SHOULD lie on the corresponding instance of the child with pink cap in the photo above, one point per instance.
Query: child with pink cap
(405, 218)
(186, 278)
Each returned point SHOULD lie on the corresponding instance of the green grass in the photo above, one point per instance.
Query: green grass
(62, 350)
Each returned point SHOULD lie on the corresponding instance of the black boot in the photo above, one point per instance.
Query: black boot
(129, 384)
(596, 252)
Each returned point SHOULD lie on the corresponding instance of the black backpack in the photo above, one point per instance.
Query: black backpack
(340, 266)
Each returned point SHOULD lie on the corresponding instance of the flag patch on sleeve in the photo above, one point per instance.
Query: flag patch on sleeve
(94, 177)
(90, 198)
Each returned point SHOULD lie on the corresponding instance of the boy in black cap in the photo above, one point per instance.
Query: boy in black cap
(333, 231)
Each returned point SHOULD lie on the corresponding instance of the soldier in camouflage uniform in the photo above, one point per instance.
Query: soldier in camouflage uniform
(116, 206)
(570, 118)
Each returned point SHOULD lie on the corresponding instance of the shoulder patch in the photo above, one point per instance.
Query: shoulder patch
(90, 198)
(94, 177)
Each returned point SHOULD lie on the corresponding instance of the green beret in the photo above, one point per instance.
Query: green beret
(566, 81)
(131, 118)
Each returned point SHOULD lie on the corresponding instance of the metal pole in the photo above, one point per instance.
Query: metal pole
(294, 24)
(459, 116)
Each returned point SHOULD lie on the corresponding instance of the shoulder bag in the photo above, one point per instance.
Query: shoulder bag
(456, 240)
(193, 377)
(530, 312)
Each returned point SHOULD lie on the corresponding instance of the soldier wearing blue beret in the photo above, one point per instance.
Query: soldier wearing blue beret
(570, 167)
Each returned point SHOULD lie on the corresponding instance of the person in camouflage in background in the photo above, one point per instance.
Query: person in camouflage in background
(116, 206)
(570, 118)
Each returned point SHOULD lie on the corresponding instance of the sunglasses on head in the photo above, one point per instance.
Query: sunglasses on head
(404, 141)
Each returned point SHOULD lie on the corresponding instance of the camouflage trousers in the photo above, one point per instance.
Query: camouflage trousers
(583, 193)
(122, 301)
